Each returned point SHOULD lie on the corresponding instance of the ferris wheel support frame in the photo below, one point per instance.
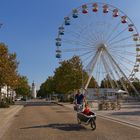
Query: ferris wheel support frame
(111, 73)
(123, 73)
(106, 68)
(117, 73)
(91, 67)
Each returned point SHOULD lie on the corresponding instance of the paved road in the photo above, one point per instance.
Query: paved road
(47, 121)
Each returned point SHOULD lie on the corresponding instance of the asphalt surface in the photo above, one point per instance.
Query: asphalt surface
(39, 120)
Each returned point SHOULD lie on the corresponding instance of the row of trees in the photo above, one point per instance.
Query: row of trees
(9, 75)
(106, 83)
(70, 76)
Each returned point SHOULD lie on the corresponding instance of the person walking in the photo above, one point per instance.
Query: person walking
(79, 100)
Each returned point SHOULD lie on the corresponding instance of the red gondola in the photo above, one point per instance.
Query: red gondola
(115, 12)
(84, 9)
(124, 19)
(130, 28)
(95, 7)
(105, 9)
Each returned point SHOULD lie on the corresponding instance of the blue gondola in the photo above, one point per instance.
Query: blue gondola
(58, 41)
(75, 13)
(61, 30)
(58, 51)
(58, 55)
(61, 33)
(67, 20)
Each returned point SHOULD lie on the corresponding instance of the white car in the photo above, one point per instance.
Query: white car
(18, 99)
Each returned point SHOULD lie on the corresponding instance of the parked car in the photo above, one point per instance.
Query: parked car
(18, 99)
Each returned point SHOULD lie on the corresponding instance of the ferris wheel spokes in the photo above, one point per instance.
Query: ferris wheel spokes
(126, 60)
(107, 71)
(122, 73)
(120, 46)
(90, 67)
(77, 49)
(72, 42)
(118, 34)
(119, 62)
(113, 31)
(111, 73)
(118, 41)
(86, 36)
(117, 71)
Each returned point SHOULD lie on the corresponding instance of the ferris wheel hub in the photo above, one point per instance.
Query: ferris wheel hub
(101, 47)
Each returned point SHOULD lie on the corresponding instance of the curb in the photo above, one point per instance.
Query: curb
(6, 123)
(58, 103)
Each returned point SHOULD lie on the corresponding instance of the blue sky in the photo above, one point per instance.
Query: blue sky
(30, 27)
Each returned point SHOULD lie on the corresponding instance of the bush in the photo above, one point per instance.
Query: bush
(4, 104)
(66, 99)
(9, 101)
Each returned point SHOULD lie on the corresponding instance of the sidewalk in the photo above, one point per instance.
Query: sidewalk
(6, 117)
(129, 113)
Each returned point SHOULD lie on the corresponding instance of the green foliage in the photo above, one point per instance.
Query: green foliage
(23, 87)
(68, 76)
(92, 83)
(106, 83)
(47, 87)
(136, 84)
(4, 104)
(9, 101)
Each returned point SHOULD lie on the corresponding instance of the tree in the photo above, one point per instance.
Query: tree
(23, 87)
(105, 83)
(8, 67)
(136, 84)
(47, 87)
(93, 83)
(68, 76)
(108, 82)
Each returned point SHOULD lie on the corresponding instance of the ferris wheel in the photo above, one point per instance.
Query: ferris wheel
(105, 39)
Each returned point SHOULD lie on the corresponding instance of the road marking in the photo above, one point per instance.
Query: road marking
(118, 121)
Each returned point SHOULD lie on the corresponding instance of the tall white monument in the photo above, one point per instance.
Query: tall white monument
(33, 90)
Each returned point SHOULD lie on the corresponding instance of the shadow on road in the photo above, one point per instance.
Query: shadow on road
(64, 127)
(127, 113)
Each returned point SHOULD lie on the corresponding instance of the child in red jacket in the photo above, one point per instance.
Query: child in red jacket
(87, 109)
